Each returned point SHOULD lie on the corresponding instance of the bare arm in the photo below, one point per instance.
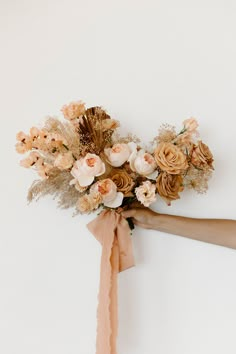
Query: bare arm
(217, 231)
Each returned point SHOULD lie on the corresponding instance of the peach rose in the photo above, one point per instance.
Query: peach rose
(169, 186)
(119, 153)
(30, 160)
(24, 143)
(122, 180)
(64, 161)
(143, 163)
(108, 191)
(170, 158)
(73, 110)
(86, 168)
(190, 124)
(146, 193)
(202, 156)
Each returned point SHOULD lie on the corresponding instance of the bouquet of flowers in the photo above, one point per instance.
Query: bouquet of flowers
(87, 164)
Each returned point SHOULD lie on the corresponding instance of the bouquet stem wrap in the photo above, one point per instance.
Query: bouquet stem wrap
(113, 232)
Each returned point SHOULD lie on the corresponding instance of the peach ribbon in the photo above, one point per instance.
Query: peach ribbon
(113, 232)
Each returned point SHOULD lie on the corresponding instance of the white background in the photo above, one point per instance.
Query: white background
(146, 62)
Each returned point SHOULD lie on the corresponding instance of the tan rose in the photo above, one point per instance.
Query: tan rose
(170, 158)
(202, 156)
(169, 186)
(123, 181)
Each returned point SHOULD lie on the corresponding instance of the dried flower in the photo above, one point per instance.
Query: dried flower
(73, 110)
(170, 158)
(109, 124)
(166, 133)
(89, 202)
(145, 193)
(64, 161)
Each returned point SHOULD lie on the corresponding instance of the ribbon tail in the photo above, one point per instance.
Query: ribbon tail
(107, 316)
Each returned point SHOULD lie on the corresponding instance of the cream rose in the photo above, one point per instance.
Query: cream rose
(170, 158)
(146, 193)
(88, 167)
(108, 190)
(119, 153)
(144, 164)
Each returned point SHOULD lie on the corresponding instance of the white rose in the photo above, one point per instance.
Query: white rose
(119, 153)
(85, 169)
(143, 163)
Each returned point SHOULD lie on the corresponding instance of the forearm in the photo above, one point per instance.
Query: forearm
(217, 231)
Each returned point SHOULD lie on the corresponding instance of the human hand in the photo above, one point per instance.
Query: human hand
(141, 216)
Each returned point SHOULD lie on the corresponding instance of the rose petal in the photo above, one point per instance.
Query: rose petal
(85, 180)
(153, 175)
(115, 202)
(103, 170)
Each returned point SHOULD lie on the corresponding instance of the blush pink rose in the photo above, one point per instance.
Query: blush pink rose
(143, 163)
(119, 153)
(86, 168)
(108, 190)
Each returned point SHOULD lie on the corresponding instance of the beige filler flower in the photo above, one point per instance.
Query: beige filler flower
(89, 202)
(190, 124)
(170, 158)
(202, 156)
(109, 124)
(169, 186)
(122, 180)
(64, 161)
(73, 110)
(145, 193)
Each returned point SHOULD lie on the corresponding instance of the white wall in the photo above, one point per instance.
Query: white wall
(146, 62)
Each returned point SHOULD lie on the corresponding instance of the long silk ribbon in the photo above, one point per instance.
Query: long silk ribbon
(113, 232)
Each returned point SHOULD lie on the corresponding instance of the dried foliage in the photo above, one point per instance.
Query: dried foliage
(57, 185)
(68, 131)
(92, 136)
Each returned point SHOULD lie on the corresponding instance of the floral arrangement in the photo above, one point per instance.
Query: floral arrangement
(87, 164)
